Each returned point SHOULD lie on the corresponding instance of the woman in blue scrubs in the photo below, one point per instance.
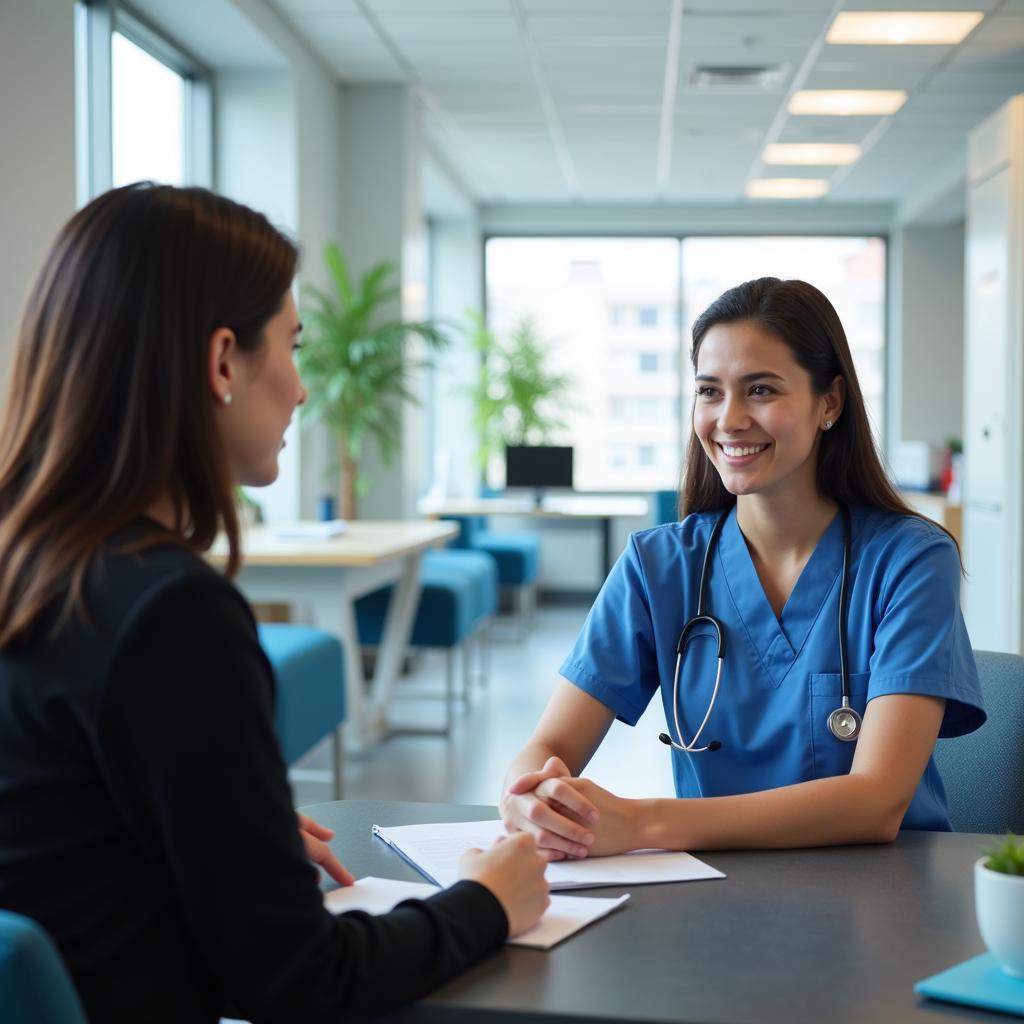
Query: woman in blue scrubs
(781, 449)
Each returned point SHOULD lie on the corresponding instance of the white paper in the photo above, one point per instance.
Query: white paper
(311, 529)
(565, 916)
(434, 850)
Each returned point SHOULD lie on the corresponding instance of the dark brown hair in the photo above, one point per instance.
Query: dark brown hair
(109, 407)
(850, 468)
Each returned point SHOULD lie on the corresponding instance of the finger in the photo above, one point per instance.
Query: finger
(527, 782)
(555, 766)
(562, 793)
(315, 828)
(320, 854)
(337, 870)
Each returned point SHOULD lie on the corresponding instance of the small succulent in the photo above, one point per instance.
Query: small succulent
(1007, 857)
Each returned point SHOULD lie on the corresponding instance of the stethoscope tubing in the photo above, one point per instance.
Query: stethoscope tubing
(844, 723)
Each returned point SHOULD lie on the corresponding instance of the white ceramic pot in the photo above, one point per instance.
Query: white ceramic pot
(999, 903)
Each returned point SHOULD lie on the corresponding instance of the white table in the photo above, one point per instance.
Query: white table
(329, 576)
(599, 508)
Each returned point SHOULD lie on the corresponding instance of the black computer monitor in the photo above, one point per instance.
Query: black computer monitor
(538, 466)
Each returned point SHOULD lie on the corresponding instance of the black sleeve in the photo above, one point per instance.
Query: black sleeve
(188, 744)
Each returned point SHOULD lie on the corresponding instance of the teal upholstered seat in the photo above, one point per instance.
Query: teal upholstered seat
(516, 554)
(35, 987)
(309, 669)
(983, 772)
(459, 595)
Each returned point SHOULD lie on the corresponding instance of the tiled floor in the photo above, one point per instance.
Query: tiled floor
(468, 767)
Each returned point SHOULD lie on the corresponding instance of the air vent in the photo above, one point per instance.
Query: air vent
(738, 77)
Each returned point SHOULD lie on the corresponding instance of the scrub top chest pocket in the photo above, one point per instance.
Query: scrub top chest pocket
(831, 756)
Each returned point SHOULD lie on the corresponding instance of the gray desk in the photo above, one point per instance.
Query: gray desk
(836, 935)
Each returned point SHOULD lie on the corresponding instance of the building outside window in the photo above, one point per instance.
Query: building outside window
(617, 315)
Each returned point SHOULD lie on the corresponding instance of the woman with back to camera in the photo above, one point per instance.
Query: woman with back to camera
(145, 815)
(804, 692)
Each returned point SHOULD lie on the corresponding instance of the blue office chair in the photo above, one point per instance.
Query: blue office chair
(309, 668)
(35, 987)
(983, 772)
(666, 507)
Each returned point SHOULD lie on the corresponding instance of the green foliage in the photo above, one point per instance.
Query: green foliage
(1006, 858)
(516, 398)
(353, 360)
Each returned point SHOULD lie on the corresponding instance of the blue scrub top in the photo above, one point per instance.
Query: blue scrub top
(781, 677)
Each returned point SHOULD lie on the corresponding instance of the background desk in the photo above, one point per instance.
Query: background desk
(329, 576)
(601, 510)
(837, 935)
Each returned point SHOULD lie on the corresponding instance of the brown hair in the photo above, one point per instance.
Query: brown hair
(850, 468)
(108, 406)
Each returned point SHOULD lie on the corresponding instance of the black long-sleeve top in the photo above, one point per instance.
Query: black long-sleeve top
(147, 823)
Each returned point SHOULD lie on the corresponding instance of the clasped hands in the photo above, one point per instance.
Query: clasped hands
(567, 816)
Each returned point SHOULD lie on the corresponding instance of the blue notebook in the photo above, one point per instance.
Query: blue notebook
(976, 982)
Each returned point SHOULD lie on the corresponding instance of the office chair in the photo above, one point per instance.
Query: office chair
(983, 772)
(35, 987)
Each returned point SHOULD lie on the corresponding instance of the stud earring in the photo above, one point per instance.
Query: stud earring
(226, 400)
(828, 423)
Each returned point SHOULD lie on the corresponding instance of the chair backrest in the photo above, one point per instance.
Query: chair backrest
(470, 527)
(666, 507)
(983, 772)
(35, 987)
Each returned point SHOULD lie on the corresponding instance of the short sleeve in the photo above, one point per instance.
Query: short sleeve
(921, 643)
(614, 657)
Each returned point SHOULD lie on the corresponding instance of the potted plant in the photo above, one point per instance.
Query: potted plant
(517, 399)
(354, 363)
(999, 903)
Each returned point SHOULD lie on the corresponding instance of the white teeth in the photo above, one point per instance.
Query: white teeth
(735, 451)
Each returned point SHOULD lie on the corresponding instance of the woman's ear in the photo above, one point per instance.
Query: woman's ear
(834, 399)
(222, 356)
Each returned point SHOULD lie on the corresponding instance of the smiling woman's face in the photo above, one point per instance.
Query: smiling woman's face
(755, 413)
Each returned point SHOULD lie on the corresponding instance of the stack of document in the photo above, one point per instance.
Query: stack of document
(311, 529)
(566, 915)
(434, 850)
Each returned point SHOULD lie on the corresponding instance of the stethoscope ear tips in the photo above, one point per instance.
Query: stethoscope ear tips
(665, 738)
(714, 745)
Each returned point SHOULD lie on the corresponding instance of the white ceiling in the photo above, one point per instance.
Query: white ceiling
(556, 100)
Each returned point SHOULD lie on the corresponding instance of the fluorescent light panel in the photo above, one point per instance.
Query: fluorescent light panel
(902, 28)
(847, 102)
(811, 153)
(786, 188)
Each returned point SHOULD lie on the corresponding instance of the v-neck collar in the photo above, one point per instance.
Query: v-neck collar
(778, 641)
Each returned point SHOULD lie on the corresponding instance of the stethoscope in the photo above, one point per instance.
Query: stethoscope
(844, 723)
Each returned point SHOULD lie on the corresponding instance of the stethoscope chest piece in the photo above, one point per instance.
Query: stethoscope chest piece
(844, 723)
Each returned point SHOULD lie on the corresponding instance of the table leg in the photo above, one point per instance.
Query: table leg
(394, 641)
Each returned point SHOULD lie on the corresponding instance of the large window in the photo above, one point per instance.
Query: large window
(850, 271)
(607, 328)
(616, 314)
(148, 116)
(144, 103)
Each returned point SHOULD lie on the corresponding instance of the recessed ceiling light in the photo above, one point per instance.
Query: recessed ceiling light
(786, 188)
(832, 153)
(902, 28)
(847, 102)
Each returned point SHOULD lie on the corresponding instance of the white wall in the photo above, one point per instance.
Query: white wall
(37, 152)
(383, 220)
(931, 337)
(456, 265)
